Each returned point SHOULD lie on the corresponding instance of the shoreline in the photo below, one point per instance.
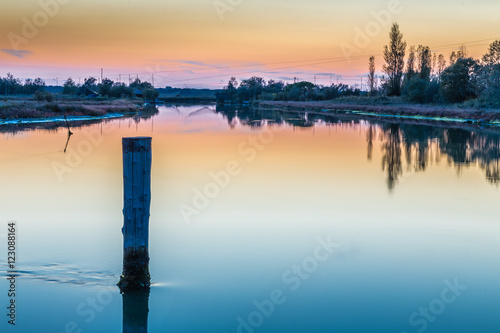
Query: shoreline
(69, 119)
(25, 111)
(398, 111)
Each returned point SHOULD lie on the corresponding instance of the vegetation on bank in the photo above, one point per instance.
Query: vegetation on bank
(18, 109)
(416, 77)
(89, 99)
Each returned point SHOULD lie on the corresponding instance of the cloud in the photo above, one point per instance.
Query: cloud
(189, 62)
(16, 53)
(327, 74)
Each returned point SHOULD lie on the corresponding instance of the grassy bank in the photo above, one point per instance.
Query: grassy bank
(25, 108)
(389, 107)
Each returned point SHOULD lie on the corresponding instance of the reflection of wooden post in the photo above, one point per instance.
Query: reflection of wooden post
(135, 311)
(137, 200)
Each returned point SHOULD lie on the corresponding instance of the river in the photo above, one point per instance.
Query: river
(260, 222)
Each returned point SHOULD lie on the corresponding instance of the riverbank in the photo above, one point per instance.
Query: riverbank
(17, 109)
(409, 111)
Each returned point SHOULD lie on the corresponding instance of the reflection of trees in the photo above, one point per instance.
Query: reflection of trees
(391, 154)
(146, 113)
(406, 147)
(462, 147)
(369, 138)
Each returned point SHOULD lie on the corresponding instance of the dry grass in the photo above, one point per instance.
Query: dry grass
(16, 109)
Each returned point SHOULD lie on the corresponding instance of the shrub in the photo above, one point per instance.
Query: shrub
(44, 96)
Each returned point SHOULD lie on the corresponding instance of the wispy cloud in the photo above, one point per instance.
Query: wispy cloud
(327, 74)
(16, 53)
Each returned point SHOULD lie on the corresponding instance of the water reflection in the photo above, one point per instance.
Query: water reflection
(405, 145)
(135, 311)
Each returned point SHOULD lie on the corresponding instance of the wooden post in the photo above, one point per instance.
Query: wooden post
(136, 209)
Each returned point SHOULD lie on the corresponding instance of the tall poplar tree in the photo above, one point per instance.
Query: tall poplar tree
(394, 56)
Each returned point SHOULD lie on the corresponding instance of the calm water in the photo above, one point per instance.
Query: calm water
(260, 222)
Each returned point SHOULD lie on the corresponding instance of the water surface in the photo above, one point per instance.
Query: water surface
(408, 210)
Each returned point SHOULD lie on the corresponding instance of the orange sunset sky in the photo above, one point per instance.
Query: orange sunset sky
(181, 41)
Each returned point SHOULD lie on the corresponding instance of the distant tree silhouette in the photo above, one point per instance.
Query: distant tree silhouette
(457, 83)
(492, 57)
(69, 87)
(424, 63)
(371, 75)
(394, 55)
(391, 154)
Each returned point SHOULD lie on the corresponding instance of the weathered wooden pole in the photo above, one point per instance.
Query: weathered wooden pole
(136, 209)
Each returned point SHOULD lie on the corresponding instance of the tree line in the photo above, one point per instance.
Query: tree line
(10, 85)
(426, 77)
(416, 74)
(110, 88)
(257, 88)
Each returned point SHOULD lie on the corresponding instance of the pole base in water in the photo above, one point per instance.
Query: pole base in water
(135, 271)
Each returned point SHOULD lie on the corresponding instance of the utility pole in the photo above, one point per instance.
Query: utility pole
(101, 74)
(153, 79)
(120, 78)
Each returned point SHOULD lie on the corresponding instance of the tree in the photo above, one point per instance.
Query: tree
(441, 65)
(492, 57)
(11, 85)
(138, 84)
(371, 76)
(90, 82)
(105, 87)
(453, 58)
(231, 88)
(489, 75)
(410, 68)
(424, 63)
(274, 87)
(434, 64)
(255, 85)
(150, 94)
(119, 89)
(70, 87)
(457, 81)
(394, 55)
(462, 52)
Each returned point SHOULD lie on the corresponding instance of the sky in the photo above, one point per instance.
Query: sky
(202, 43)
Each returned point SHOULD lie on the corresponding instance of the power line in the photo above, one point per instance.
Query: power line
(300, 63)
